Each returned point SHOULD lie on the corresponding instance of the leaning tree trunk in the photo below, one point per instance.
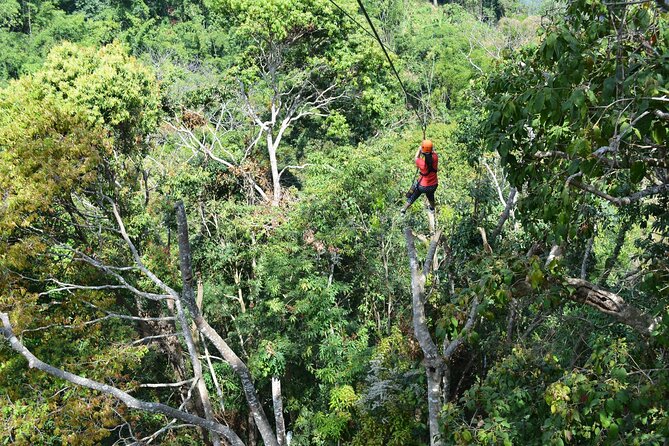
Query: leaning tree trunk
(201, 394)
(613, 305)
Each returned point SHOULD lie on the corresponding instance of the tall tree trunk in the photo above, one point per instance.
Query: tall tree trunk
(224, 349)
(432, 361)
(436, 364)
(435, 393)
(171, 347)
(278, 411)
(252, 440)
(274, 166)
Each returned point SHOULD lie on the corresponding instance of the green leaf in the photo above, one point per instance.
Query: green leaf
(613, 430)
(536, 278)
(538, 103)
(604, 419)
(637, 172)
(659, 133)
(619, 373)
(591, 96)
(611, 406)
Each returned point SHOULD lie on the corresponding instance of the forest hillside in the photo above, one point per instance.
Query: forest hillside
(202, 243)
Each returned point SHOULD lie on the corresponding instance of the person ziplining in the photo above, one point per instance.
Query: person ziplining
(426, 158)
(427, 162)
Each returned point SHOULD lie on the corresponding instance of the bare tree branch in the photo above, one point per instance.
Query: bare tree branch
(613, 305)
(450, 347)
(111, 272)
(127, 399)
(622, 201)
(230, 356)
(505, 215)
(163, 385)
(432, 249)
(498, 188)
(278, 411)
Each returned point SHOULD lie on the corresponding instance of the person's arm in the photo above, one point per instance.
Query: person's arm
(417, 153)
(419, 162)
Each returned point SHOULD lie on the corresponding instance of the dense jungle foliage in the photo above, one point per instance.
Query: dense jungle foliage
(201, 239)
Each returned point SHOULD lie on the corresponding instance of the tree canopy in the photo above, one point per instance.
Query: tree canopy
(201, 239)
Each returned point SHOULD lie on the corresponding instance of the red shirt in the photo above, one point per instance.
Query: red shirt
(428, 179)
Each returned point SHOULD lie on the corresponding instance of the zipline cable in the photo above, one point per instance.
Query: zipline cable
(353, 19)
(376, 37)
(397, 75)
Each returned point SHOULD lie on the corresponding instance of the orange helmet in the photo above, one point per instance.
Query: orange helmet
(426, 146)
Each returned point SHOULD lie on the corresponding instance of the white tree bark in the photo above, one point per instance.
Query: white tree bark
(272, 146)
(287, 106)
(436, 364)
(278, 411)
(33, 362)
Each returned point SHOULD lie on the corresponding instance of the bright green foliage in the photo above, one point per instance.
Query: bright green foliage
(59, 144)
(114, 89)
(58, 126)
(601, 402)
(10, 13)
(54, 152)
(272, 20)
(393, 387)
(442, 56)
(583, 133)
(29, 30)
(576, 121)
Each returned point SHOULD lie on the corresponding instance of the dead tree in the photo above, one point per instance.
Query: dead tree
(207, 140)
(293, 96)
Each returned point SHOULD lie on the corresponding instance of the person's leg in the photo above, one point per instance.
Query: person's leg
(429, 193)
(431, 217)
(411, 199)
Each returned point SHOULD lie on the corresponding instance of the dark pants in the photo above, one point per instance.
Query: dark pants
(427, 190)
